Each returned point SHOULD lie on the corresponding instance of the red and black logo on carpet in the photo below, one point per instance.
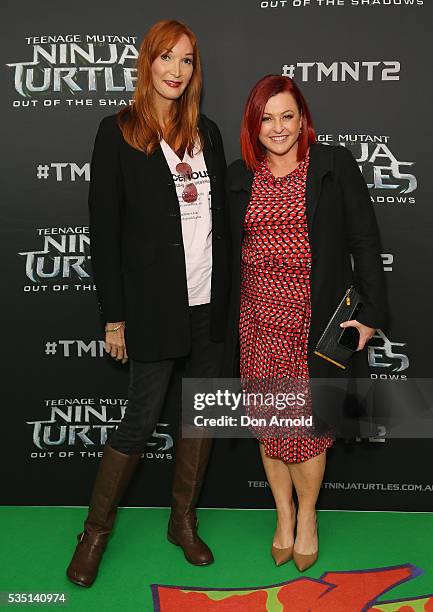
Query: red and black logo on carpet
(351, 591)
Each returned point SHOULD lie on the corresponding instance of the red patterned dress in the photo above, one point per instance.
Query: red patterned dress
(275, 308)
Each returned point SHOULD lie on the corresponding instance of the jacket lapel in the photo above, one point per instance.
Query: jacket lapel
(241, 181)
(207, 147)
(320, 164)
(247, 188)
(158, 164)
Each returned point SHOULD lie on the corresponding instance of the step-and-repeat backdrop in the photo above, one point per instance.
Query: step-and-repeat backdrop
(364, 68)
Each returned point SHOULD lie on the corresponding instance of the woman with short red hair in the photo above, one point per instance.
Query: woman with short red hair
(298, 211)
(159, 258)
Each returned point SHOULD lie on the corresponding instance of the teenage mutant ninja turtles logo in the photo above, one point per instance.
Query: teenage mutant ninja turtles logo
(387, 359)
(81, 427)
(71, 69)
(390, 179)
(63, 262)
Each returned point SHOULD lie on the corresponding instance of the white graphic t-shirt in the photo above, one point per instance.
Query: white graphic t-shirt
(192, 183)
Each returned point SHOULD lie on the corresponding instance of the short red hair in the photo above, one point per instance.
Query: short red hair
(268, 86)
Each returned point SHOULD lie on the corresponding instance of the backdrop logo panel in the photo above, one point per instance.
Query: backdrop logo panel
(340, 71)
(380, 487)
(387, 177)
(332, 4)
(386, 358)
(84, 76)
(83, 66)
(74, 348)
(62, 263)
(63, 171)
(351, 486)
(80, 427)
(388, 261)
(258, 484)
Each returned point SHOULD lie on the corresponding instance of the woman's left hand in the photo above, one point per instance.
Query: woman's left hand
(365, 332)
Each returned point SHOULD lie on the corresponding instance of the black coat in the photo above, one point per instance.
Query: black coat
(341, 221)
(137, 249)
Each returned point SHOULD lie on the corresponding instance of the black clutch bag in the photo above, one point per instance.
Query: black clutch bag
(338, 344)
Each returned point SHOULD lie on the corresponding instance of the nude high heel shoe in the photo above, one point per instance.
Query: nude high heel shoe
(283, 555)
(304, 562)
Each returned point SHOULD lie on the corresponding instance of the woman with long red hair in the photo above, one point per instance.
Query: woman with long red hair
(159, 257)
(298, 211)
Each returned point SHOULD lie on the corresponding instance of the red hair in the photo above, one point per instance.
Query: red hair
(268, 86)
(139, 125)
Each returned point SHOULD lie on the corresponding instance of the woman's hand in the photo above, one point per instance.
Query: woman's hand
(115, 341)
(365, 332)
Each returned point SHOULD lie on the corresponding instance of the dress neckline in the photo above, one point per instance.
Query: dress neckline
(267, 174)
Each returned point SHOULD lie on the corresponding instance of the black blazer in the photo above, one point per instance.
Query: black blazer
(137, 249)
(341, 221)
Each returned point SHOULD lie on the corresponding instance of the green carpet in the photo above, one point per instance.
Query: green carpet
(36, 545)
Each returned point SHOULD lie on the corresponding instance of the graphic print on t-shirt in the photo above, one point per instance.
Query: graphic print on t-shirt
(191, 179)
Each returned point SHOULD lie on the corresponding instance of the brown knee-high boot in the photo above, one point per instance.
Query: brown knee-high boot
(192, 456)
(114, 473)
